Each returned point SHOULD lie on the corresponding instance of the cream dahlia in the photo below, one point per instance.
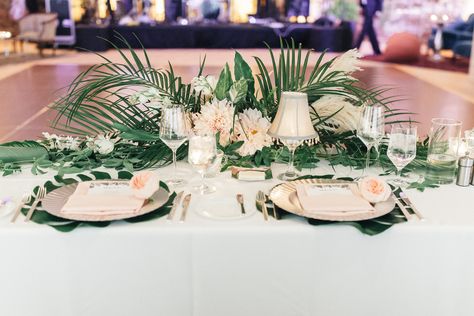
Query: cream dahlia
(215, 117)
(252, 130)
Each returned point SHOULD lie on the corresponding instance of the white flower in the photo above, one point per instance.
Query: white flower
(157, 103)
(103, 145)
(90, 142)
(215, 117)
(345, 120)
(70, 143)
(374, 189)
(204, 84)
(252, 129)
(347, 62)
(53, 141)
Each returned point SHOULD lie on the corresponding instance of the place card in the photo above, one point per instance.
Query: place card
(333, 197)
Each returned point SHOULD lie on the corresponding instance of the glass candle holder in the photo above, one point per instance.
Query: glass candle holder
(443, 150)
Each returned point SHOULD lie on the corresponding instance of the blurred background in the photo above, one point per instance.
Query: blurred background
(435, 30)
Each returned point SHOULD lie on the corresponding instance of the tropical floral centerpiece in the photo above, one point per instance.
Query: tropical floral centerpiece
(111, 112)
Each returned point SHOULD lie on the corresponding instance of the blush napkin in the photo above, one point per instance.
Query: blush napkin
(329, 198)
(102, 197)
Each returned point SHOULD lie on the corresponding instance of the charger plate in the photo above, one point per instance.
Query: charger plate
(285, 197)
(55, 200)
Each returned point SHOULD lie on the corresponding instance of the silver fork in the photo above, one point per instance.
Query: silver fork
(41, 194)
(25, 199)
(261, 200)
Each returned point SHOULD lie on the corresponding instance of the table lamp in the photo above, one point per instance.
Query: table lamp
(292, 126)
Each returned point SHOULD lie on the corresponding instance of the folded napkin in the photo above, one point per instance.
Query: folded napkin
(344, 197)
(102, 197)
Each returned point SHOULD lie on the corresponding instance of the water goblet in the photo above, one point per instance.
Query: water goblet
(401, 150)
(202, 156)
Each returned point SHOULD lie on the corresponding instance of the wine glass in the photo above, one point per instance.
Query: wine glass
(371, 127)
(401, 149)
(173, 132)
(202, 155)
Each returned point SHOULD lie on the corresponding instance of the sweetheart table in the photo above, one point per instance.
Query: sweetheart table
(205, 267)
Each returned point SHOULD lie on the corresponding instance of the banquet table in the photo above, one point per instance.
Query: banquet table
(207, 267)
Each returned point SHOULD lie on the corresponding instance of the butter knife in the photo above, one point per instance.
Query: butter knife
(240, 200)
(186, 201)
(177, 199)
(409, 203)
(402, 207)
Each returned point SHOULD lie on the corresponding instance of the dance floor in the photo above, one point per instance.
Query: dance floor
(26, 90)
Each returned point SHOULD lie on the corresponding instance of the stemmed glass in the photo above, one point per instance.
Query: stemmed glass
(202, 155)
(371, 127)
(401, 149)
(173, 132)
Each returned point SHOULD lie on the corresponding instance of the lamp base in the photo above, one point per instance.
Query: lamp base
(288, 176)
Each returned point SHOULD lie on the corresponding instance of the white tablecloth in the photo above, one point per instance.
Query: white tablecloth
(246, 267)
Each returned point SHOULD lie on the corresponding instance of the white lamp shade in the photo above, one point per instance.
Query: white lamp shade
(293, 121)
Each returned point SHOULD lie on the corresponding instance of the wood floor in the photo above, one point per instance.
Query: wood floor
(26, 89)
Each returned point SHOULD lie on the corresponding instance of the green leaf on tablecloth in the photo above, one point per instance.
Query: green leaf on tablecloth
(65, 225)
(421, 186)
(66, 228)
(101, 175)
(126, 175)
(85, 178)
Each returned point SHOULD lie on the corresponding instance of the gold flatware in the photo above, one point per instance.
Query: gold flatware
(240, 200)
(175, 205)
(409, 204)
(261, 200)
(39, 196)
(402, 207)
(25, 199)
(185, 204)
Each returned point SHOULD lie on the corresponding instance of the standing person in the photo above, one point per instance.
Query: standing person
(369, 9)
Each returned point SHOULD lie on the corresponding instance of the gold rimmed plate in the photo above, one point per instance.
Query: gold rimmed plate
(56, 199)
(285, 197)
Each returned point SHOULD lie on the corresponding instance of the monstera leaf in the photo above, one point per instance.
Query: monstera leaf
(27, 151)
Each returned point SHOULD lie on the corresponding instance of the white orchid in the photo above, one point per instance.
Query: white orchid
(252, 130)
(344, 120)
(204, 84)
(215, 117)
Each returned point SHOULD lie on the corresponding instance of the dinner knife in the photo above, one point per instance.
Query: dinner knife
(175, 205)
(186, 201)
(409, 203)
(24, 200)
(402, 207)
